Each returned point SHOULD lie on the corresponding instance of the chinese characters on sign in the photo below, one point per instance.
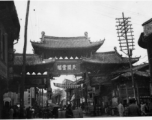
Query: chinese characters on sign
(66, 67)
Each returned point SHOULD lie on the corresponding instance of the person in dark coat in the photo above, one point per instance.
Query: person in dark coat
(133, 109)
(69, 113)
(5, 111)
(55, 112)
(28, 113)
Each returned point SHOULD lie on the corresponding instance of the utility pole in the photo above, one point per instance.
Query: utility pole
(24, 63)
(126, 42)
(87, 87)
(76, 93)
(42, 97)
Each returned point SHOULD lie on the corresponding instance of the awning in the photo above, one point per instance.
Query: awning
(136, 68)
(144, 74)
(139, 73)
(115, 78)
(128, 74)
(67, 86)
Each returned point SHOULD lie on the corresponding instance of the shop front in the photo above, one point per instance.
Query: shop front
(122, 85)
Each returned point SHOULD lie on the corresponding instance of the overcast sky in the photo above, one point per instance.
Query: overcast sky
(73, 18)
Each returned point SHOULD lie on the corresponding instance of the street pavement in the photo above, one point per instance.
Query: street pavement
(87, 116)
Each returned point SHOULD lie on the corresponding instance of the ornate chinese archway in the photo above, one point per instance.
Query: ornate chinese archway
(88, 62)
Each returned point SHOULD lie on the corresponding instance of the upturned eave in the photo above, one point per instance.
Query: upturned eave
(46, 46)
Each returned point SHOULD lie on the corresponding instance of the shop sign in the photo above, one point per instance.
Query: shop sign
(27, 98)
(3, 70)
(64, 67)
(32, 92)
(35, 80)
(67, 66)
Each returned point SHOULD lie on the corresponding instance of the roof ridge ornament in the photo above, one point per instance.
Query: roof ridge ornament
(115, 48)
(86, 34)
(43, 34)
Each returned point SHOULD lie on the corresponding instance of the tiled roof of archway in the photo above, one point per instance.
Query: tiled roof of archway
(31, 59)
(51, 42)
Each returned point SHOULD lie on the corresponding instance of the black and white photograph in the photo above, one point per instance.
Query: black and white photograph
(66, 59)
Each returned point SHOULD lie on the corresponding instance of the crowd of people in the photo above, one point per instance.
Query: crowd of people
(70, 111)
(134, 109)
(13, 112)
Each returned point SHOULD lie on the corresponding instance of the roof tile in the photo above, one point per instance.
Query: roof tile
(108, 57)
(31, 59)
(66, 42)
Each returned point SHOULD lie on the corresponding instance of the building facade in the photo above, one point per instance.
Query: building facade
(9, 33)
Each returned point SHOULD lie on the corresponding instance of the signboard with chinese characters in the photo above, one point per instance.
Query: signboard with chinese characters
(36, 80)
(27, 98)
(67, 66)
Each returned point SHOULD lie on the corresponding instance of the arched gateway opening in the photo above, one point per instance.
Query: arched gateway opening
(71, 56)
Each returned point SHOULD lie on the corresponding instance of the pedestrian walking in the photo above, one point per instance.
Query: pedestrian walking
(133, 109)
(150, 107)
(28, 113)
(125, 113)
(120, 109)
(55, 112)
(75, 113)
(5, 111)
(80, 112)
(61, 113)
(32, 112)
(143, 108)
(17, 112)
(11, 112)
(146, 109)
(40, 113)
(69, 113)
(24, 112)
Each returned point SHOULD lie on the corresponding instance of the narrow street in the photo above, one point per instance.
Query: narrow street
(75, 59)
